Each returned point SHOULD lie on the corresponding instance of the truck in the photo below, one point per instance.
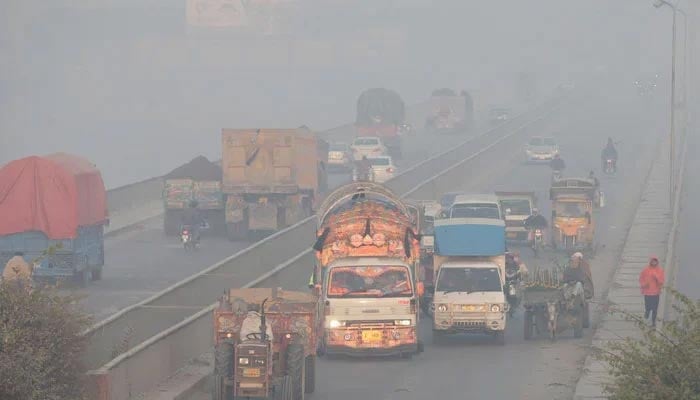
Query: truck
(450, 112)
(367, 253)
(272, 178)
(573, 202)
(469, 262)
(381, 112)
(53, 209)
(199, 180)
(517, 207)
(265, 342)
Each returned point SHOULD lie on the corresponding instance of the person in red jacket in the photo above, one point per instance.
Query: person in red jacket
(651, 280)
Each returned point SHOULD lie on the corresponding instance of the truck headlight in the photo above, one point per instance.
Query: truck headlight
(243, 361)
(403, 322)
(336, 324)
(442, 308)
(495, 308)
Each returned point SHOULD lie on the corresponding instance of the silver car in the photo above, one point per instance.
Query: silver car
(383, 168)
(541, 149)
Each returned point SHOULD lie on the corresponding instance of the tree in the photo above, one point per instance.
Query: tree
(663, 364)
(41, 345)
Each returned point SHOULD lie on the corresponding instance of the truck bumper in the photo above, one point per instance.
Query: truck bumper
(455, 325)
(350, 342)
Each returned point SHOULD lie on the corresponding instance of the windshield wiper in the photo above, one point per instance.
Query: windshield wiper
(454, 291)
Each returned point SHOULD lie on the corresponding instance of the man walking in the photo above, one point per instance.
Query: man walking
(651, 280)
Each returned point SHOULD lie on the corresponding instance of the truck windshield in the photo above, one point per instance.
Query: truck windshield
(468, 280)
(374, 281)
(516, 206)
(570, 209)
(475, 211)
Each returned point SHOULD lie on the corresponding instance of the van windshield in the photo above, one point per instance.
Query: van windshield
(469, 280)
(374, 281)
(475, 210)
(516, 206)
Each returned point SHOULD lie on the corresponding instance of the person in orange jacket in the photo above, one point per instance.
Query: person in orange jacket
(651, 280)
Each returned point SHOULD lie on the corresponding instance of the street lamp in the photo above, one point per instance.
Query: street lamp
(658, 4)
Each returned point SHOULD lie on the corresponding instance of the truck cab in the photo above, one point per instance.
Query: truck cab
(516, 207)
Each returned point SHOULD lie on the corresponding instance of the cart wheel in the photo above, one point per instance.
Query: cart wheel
(527, 325)
(586, 316)
(578, 325)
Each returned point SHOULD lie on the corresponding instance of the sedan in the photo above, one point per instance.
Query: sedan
(383, 168)
(368, 146)
(541, 149)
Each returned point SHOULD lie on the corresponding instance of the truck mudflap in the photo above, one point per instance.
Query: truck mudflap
(371, 342)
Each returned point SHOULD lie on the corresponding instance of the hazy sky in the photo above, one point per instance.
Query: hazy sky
(127, 85)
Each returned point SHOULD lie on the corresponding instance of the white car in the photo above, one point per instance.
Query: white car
(383, 168)
(368, 146)
(541, 149)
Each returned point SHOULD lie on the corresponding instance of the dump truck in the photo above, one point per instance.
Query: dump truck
(265, 344)
(198, 180)
(450, 112)
(517, 207)
(56, 202)
(367, 254)
(272, 178)
(573, 202)
(381, 112)
(469, 262)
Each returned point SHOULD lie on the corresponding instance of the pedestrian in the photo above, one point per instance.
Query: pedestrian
(651, 280)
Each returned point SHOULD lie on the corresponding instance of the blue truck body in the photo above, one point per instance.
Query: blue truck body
(81, 258)
(470, 237)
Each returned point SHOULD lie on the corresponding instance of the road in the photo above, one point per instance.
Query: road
(144, 261)
(538, 369)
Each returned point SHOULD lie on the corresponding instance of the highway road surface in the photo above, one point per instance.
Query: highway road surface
(473, 367)
(688, 274)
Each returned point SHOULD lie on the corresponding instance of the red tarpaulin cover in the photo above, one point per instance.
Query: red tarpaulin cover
(54, 194)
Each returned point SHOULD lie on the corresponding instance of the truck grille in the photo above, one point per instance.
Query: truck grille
(470, 324)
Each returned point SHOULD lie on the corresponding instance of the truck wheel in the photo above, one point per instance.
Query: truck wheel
(527, 325)
(500, 338)
(586, 316)
(97, 273)
(238, 231)
(171, 226)
(310, 374)
(282, 388)
(223, 371)
(295, 369)
(437, 337)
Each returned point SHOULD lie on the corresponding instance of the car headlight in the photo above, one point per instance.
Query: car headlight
(403, 322)
(243, 361)
(442, 308)
(495, 308)
(336, 324)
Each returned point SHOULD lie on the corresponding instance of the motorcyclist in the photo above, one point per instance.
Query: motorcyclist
(192, 217)
(364, 170)
(535, 221)
(557, 164)
(609, 153)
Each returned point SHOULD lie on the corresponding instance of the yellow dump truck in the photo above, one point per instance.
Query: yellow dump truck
(271, 178)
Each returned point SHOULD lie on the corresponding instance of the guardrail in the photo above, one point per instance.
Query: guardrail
(174, 315)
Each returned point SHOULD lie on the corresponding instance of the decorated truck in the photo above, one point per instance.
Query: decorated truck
(381, 112)
(58, 203)
(450, 112)
(469, 260)
(272, 178)
(198, 180)
(265, 344)
(366, 272)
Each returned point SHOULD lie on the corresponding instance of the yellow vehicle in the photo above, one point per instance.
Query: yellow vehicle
(573, 225)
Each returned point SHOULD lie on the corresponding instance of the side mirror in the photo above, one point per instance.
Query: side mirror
(420, 289)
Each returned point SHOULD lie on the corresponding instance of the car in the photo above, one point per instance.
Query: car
(541, 149)
(383, 168)
(368, 146)
(499, 115)
(340, 157)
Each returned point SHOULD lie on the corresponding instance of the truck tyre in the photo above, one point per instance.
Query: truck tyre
(295, 369)
(223, 370)
(527, 325)
(283, 388)
(238, 231)
(500, 338)
(437, 337)
(586, 316)
(310, 374)
(171, 225)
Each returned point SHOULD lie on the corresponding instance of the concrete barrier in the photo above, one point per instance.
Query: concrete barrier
(138, 369)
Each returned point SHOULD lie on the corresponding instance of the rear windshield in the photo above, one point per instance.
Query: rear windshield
(516, 206)
(379, 161)
(338, 147)
(475, 211)
(536, 142)
(366, 141)
(549, 142)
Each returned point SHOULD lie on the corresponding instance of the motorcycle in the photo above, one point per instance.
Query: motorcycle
(537, 242)
(556, 174)
(610, 167)
(189, 242)
(511, 289)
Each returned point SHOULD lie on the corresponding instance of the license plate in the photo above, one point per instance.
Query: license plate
(372, 336)
(251, 372)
